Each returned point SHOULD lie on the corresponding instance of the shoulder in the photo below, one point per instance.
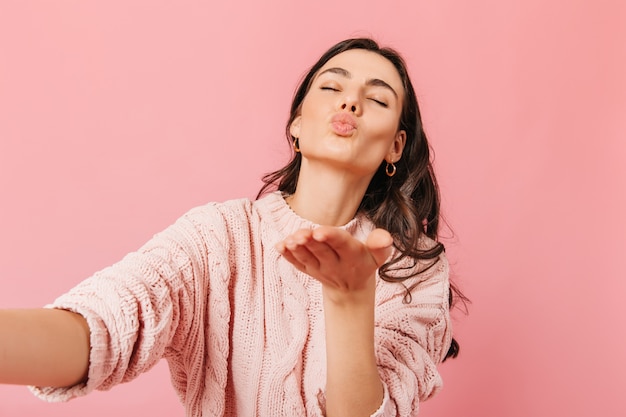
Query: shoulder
(237, 219)
(205, 228)
(216, 215)
(241, 208)
(428, 281)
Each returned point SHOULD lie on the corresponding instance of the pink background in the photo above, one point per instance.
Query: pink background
(116, 117)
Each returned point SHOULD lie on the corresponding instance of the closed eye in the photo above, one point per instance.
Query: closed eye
(328, 88)
(382, 103)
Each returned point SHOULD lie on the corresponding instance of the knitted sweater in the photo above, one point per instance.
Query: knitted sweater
(241, 328)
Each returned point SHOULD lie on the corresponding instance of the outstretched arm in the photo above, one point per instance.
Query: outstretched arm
(346, 268)
(43, 347)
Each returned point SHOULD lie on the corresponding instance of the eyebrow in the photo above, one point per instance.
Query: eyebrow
(373, 81)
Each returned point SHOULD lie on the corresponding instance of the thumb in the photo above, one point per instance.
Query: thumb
(379, 243)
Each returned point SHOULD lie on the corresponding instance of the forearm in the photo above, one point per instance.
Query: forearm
(353, 386)
(43, 347)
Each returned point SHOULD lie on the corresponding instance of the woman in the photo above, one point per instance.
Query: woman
(329, 296)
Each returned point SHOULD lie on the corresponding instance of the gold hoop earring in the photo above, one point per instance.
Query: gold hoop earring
(296, 145)
(390, 171)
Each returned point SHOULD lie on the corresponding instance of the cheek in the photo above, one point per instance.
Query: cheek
(312, 118)
(384, 127)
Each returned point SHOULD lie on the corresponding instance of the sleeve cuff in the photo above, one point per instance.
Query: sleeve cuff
(98, 337)
(381, 410)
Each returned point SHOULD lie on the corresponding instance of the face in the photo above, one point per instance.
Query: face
(350, 116)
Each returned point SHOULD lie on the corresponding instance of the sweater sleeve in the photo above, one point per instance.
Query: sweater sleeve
(412, 337)
(142, 308)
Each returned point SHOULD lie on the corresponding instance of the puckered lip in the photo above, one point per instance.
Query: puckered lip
(343, 124)
(344, 118)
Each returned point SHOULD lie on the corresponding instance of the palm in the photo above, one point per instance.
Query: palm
(335, 258)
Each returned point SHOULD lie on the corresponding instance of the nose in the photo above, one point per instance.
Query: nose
(350, 103)
(351, 107)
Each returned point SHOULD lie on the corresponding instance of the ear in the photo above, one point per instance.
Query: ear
(294, 128)
(397, 146)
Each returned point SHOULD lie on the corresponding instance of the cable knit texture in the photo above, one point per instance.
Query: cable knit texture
(241, 328)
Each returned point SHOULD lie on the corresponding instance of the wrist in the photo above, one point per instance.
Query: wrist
(348, 297)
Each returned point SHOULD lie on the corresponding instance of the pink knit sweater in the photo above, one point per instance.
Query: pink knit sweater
(242, 330)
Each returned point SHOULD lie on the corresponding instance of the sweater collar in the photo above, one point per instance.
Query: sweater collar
(289, 221)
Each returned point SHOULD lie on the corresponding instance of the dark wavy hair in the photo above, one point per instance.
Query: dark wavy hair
(406, 204)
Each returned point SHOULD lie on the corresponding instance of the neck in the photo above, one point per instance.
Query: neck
(326, 196)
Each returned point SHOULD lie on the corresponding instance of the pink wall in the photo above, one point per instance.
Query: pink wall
(116, 117)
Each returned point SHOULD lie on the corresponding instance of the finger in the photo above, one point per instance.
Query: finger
(379, 243)
(300, 237)
(337, 239)
(323, 252)
(346, 246)
(305, 257)
(296, 250)
(286, 253)
(297, 264)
